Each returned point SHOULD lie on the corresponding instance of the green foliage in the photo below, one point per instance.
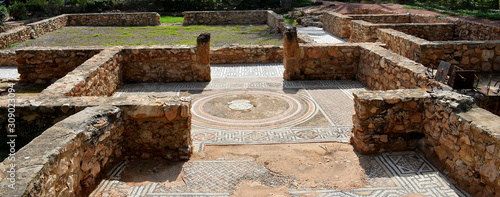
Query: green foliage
(37, 8)
(480, 13)
(302, 3)
(4, 13)
(186, 5)
(18, 10)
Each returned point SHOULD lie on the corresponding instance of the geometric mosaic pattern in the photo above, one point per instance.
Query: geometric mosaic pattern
(289, 135)
(246, 70)
(389, 174)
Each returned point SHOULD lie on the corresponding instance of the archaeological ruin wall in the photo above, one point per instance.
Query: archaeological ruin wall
(460, 138)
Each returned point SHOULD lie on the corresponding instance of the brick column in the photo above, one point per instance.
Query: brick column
(291, 54)
(202, 66)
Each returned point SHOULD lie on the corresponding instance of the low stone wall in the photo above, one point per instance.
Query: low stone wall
(163, 64)
(16, 35)
(363, 31)
(68, 158)
(276, 22)
(461, 139)
(482, 56)
(160, 129)
(48, 64)
(319, 61)
(368, 11)
(244, 54)
(337, 24)
(98, 76)
(381, 69)
(392, 122)
(49, 25)
(328, 61)
(468, 30)
(114, 19)
(225, 17)
(7, 58)
(422, 18)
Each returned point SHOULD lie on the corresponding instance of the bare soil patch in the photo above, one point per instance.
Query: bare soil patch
(343, 7)
(313, 165)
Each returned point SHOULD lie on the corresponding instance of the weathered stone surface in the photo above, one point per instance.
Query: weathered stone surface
(114, 19)
(469, 55)
(462, 138)
(243, 54)
(98, 76)
(225, 17)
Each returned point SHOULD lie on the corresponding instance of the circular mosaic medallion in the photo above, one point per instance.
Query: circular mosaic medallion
(251, 109)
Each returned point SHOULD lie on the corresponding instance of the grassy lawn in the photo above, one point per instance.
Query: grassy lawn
(156, 35)
(171, 20)
(487, 14)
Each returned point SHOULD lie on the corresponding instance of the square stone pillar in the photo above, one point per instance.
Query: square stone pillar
(202, 66)
(291, 54)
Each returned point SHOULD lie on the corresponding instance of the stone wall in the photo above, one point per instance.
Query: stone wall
(368, 11)
(160, 129)
(392, 122)
(243, 54)
(468, 30)
(482, 56)
(381, 69)
(16, 35)
(363, 31)
(114, 19)
(319, 61)
(225, 17)
(328, 61)
(276, 22)
(339, 24)
(7, 58)
(68, 158)
(71, 156)
(162, 64)
(49, 25)
(460, 138)
(47, 64)
(98, 76)
(421, 18)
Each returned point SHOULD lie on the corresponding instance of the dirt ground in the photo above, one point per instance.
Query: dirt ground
(343, 7)
(309, 165)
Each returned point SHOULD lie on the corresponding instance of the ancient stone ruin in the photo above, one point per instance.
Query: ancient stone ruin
(78, 128)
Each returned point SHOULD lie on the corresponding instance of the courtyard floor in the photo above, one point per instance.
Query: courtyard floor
(257, 135)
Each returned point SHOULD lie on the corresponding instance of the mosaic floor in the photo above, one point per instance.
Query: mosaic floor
(390, 174)
(251, 104)
(319, 35)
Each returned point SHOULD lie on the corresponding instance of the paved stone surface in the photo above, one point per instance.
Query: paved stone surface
(9, 72)
(389, 174)
(319, 35)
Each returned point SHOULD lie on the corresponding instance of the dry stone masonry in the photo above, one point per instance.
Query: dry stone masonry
(459, 137)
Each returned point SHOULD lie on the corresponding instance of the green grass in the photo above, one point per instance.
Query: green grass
(171, 19)
(13, 45)
(487, 14)
(157, 35)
